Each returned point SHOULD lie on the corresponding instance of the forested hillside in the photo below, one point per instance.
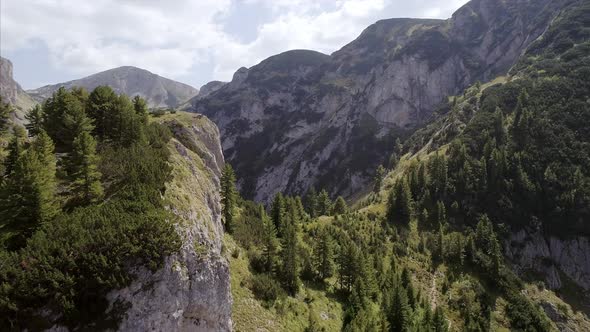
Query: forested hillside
(425, 251)
(86, 194)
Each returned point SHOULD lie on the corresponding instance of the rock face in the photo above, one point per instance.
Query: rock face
(302, 118)
(12, 93)
(209, 88)
(192, 291)
(132, 81)
(551, 256)
(8, 87)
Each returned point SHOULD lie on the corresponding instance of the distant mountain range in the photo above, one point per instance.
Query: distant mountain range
(302, 119)
(156, 90)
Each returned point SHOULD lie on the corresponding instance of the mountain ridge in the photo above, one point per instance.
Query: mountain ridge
(158, 91)
(377, 88)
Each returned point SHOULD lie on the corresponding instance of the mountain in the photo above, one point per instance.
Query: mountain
(515, 150)
(209, 88)
(302, 119)
(11, 92)
(481, 218)
(156, 90)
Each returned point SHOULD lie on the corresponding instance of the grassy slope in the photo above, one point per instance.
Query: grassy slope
(286, 314)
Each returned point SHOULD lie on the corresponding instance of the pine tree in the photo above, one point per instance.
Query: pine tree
(299, 209)
(15, 150)
(126, 125)
(84, 166)
(393, 160)
(5, 110)
(347, 265)
(44, 147)
(270, 242)
(398, 148)
(441, 241)
(426, 323)
(500, 131)
(278, 213)
(64, 118)
(400, 204)
(80, 93)
(399, 313)
(140, 106)
(438, 176)
(522, 118)
(289, 260)
(340, 206)
(496, 254)
(324, 203)
(35, 118)
(29, 196)
(366, 276)
(99, 107)
(324, 255)
(228, 197)
(311, 203)
(378, 179)
(439, 321)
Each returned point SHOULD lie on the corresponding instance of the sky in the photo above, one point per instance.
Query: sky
(191, 41)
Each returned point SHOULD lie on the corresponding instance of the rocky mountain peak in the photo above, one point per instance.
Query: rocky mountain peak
(318, 120)
(132, 81)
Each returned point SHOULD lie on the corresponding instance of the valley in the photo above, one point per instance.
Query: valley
(431, 175)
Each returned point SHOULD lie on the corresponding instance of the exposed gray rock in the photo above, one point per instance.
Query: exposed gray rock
(8, 87)
(209, 88)
(302, 118)
(550, 255)
(552, 311)
(132, 81)
(192, 291)
(12, 93)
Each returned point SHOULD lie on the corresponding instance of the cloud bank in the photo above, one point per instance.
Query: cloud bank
(191, 40)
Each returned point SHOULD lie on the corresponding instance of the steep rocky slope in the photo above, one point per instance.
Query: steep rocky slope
(11, 92)
(132, 81)
(302, 119)
(192, 291)
(544, 240)
(209, 88)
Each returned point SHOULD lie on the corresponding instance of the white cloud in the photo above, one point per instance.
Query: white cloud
(172, 38)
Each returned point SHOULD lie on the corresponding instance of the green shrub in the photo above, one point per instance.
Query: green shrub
(71, 263)
(266, 288)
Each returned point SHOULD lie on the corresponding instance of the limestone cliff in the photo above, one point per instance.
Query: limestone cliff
(551, 256)
(302, 118)
(12, 93)
(192, 291)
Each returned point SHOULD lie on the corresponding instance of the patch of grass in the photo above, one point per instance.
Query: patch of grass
(287, 313)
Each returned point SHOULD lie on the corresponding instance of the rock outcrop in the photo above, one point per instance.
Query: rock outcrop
(156, 90)
(551, 257)
(12, 93)
(209, 88)
(192, 291)
(8, 87)
(301, 118)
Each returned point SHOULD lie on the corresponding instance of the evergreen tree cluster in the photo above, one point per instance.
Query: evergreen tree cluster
(288, 248)
(63, 246)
